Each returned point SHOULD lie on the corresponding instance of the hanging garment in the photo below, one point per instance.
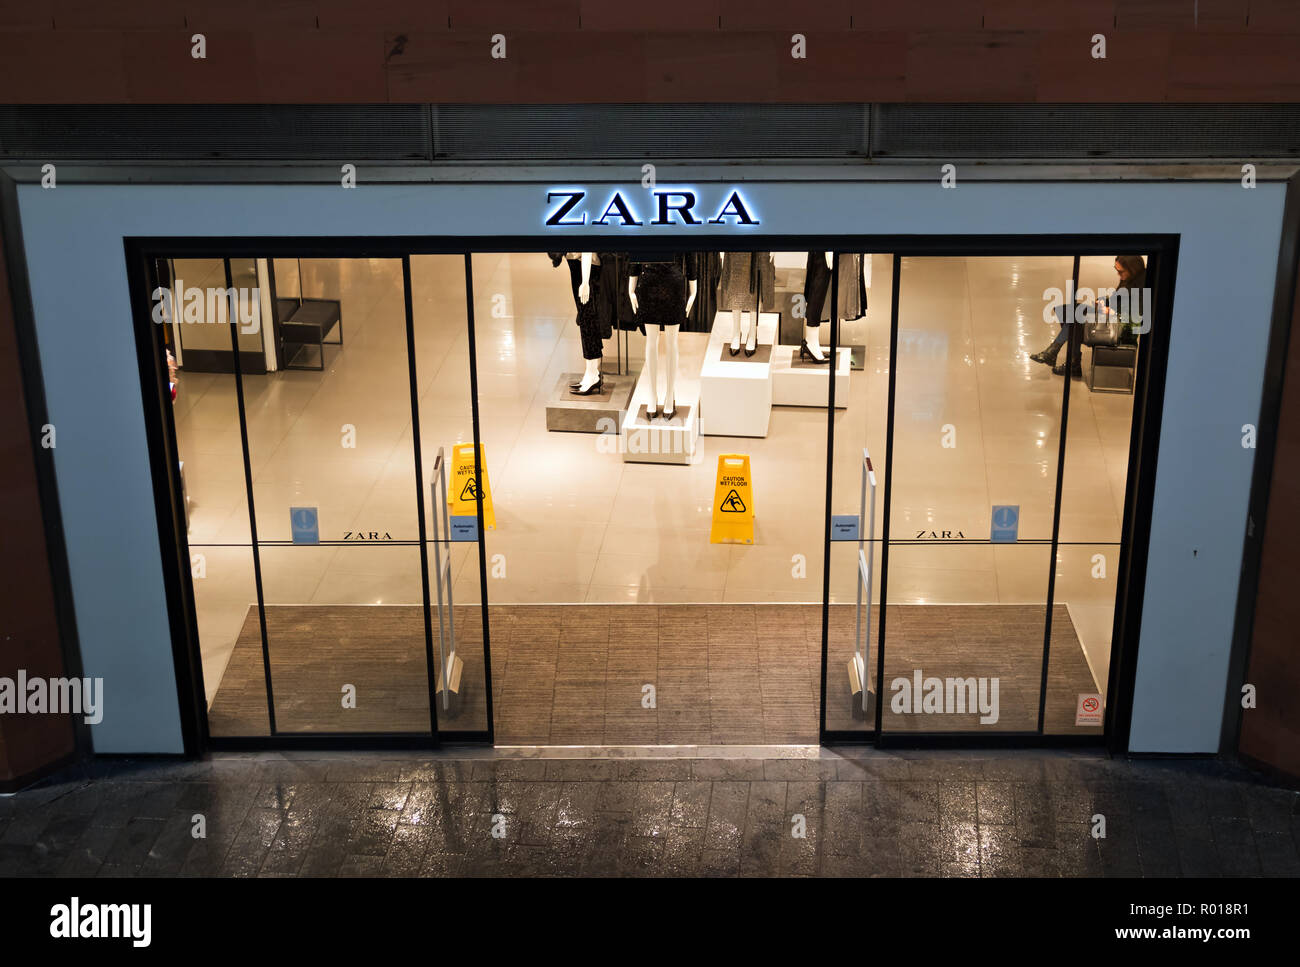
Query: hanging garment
(747, 277)
(708, 269)
(852, 297)
(816, 283)
(851, 291)
(661, 289)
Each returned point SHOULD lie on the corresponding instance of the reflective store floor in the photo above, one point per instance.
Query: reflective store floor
(976, 424)
(737, 812)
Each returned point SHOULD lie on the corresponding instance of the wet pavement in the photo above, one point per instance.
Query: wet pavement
(489, 813)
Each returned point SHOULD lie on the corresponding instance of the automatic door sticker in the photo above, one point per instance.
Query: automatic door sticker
(466, 488)
(733, 502)
(844, 527)
(304, 523)
(1006, 523)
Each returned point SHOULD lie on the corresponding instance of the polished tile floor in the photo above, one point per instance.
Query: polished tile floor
(975, 425)
(947, 814)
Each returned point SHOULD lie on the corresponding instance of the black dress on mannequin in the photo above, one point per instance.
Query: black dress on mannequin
(661, 288)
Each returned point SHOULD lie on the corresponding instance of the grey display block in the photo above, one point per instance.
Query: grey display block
(796, 362)
(566, 412)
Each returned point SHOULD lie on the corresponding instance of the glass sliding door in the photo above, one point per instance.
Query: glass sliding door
(331, 595)
(334, 488)
(443, 364)
(1094, 482)
(976, 438)
(858, 494)
(205, 410)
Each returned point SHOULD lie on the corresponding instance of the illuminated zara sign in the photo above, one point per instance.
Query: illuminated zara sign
(572, 207)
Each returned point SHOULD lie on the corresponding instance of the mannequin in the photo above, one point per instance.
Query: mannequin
(748, 279)
(588, 305)
(817, 282)
(662, 291)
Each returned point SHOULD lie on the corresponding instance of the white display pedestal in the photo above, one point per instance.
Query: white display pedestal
(736, 391)
(807, 385)
(667, 441)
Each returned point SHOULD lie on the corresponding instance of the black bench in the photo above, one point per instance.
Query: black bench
(1113, 369)
(308, 322)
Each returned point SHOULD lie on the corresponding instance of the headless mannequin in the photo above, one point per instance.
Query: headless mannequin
(740, 325)
(652, 353)
(591, 374)
(812, 327)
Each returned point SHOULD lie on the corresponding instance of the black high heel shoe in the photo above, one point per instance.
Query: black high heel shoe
(806, 353)
(577, 390)
(651, 412)
(670, 409)
(750, 350)
(734, 350)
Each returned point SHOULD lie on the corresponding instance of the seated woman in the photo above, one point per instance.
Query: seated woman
(1132, 272)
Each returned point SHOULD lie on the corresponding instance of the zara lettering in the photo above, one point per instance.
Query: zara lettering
(672, 207)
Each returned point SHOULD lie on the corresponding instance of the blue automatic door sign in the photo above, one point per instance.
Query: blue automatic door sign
(305, 524)
(1006, 522)
(844, 527)
(464, 527)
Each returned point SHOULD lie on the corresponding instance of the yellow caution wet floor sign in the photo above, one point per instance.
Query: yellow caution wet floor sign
(463, 492)
(733, 502)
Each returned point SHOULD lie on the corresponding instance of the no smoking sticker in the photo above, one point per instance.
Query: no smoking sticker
(1088, 710)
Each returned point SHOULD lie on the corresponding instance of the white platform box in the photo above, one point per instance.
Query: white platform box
(808, 384)
(736, 391)
(667, 441)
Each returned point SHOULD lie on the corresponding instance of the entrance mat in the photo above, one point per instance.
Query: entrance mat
(577, 674)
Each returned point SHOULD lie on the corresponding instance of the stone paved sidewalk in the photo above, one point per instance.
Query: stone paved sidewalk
(864, 814)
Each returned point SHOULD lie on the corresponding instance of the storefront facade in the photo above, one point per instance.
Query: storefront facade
(1098, 558)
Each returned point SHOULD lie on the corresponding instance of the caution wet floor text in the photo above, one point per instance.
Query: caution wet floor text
(464, 489)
